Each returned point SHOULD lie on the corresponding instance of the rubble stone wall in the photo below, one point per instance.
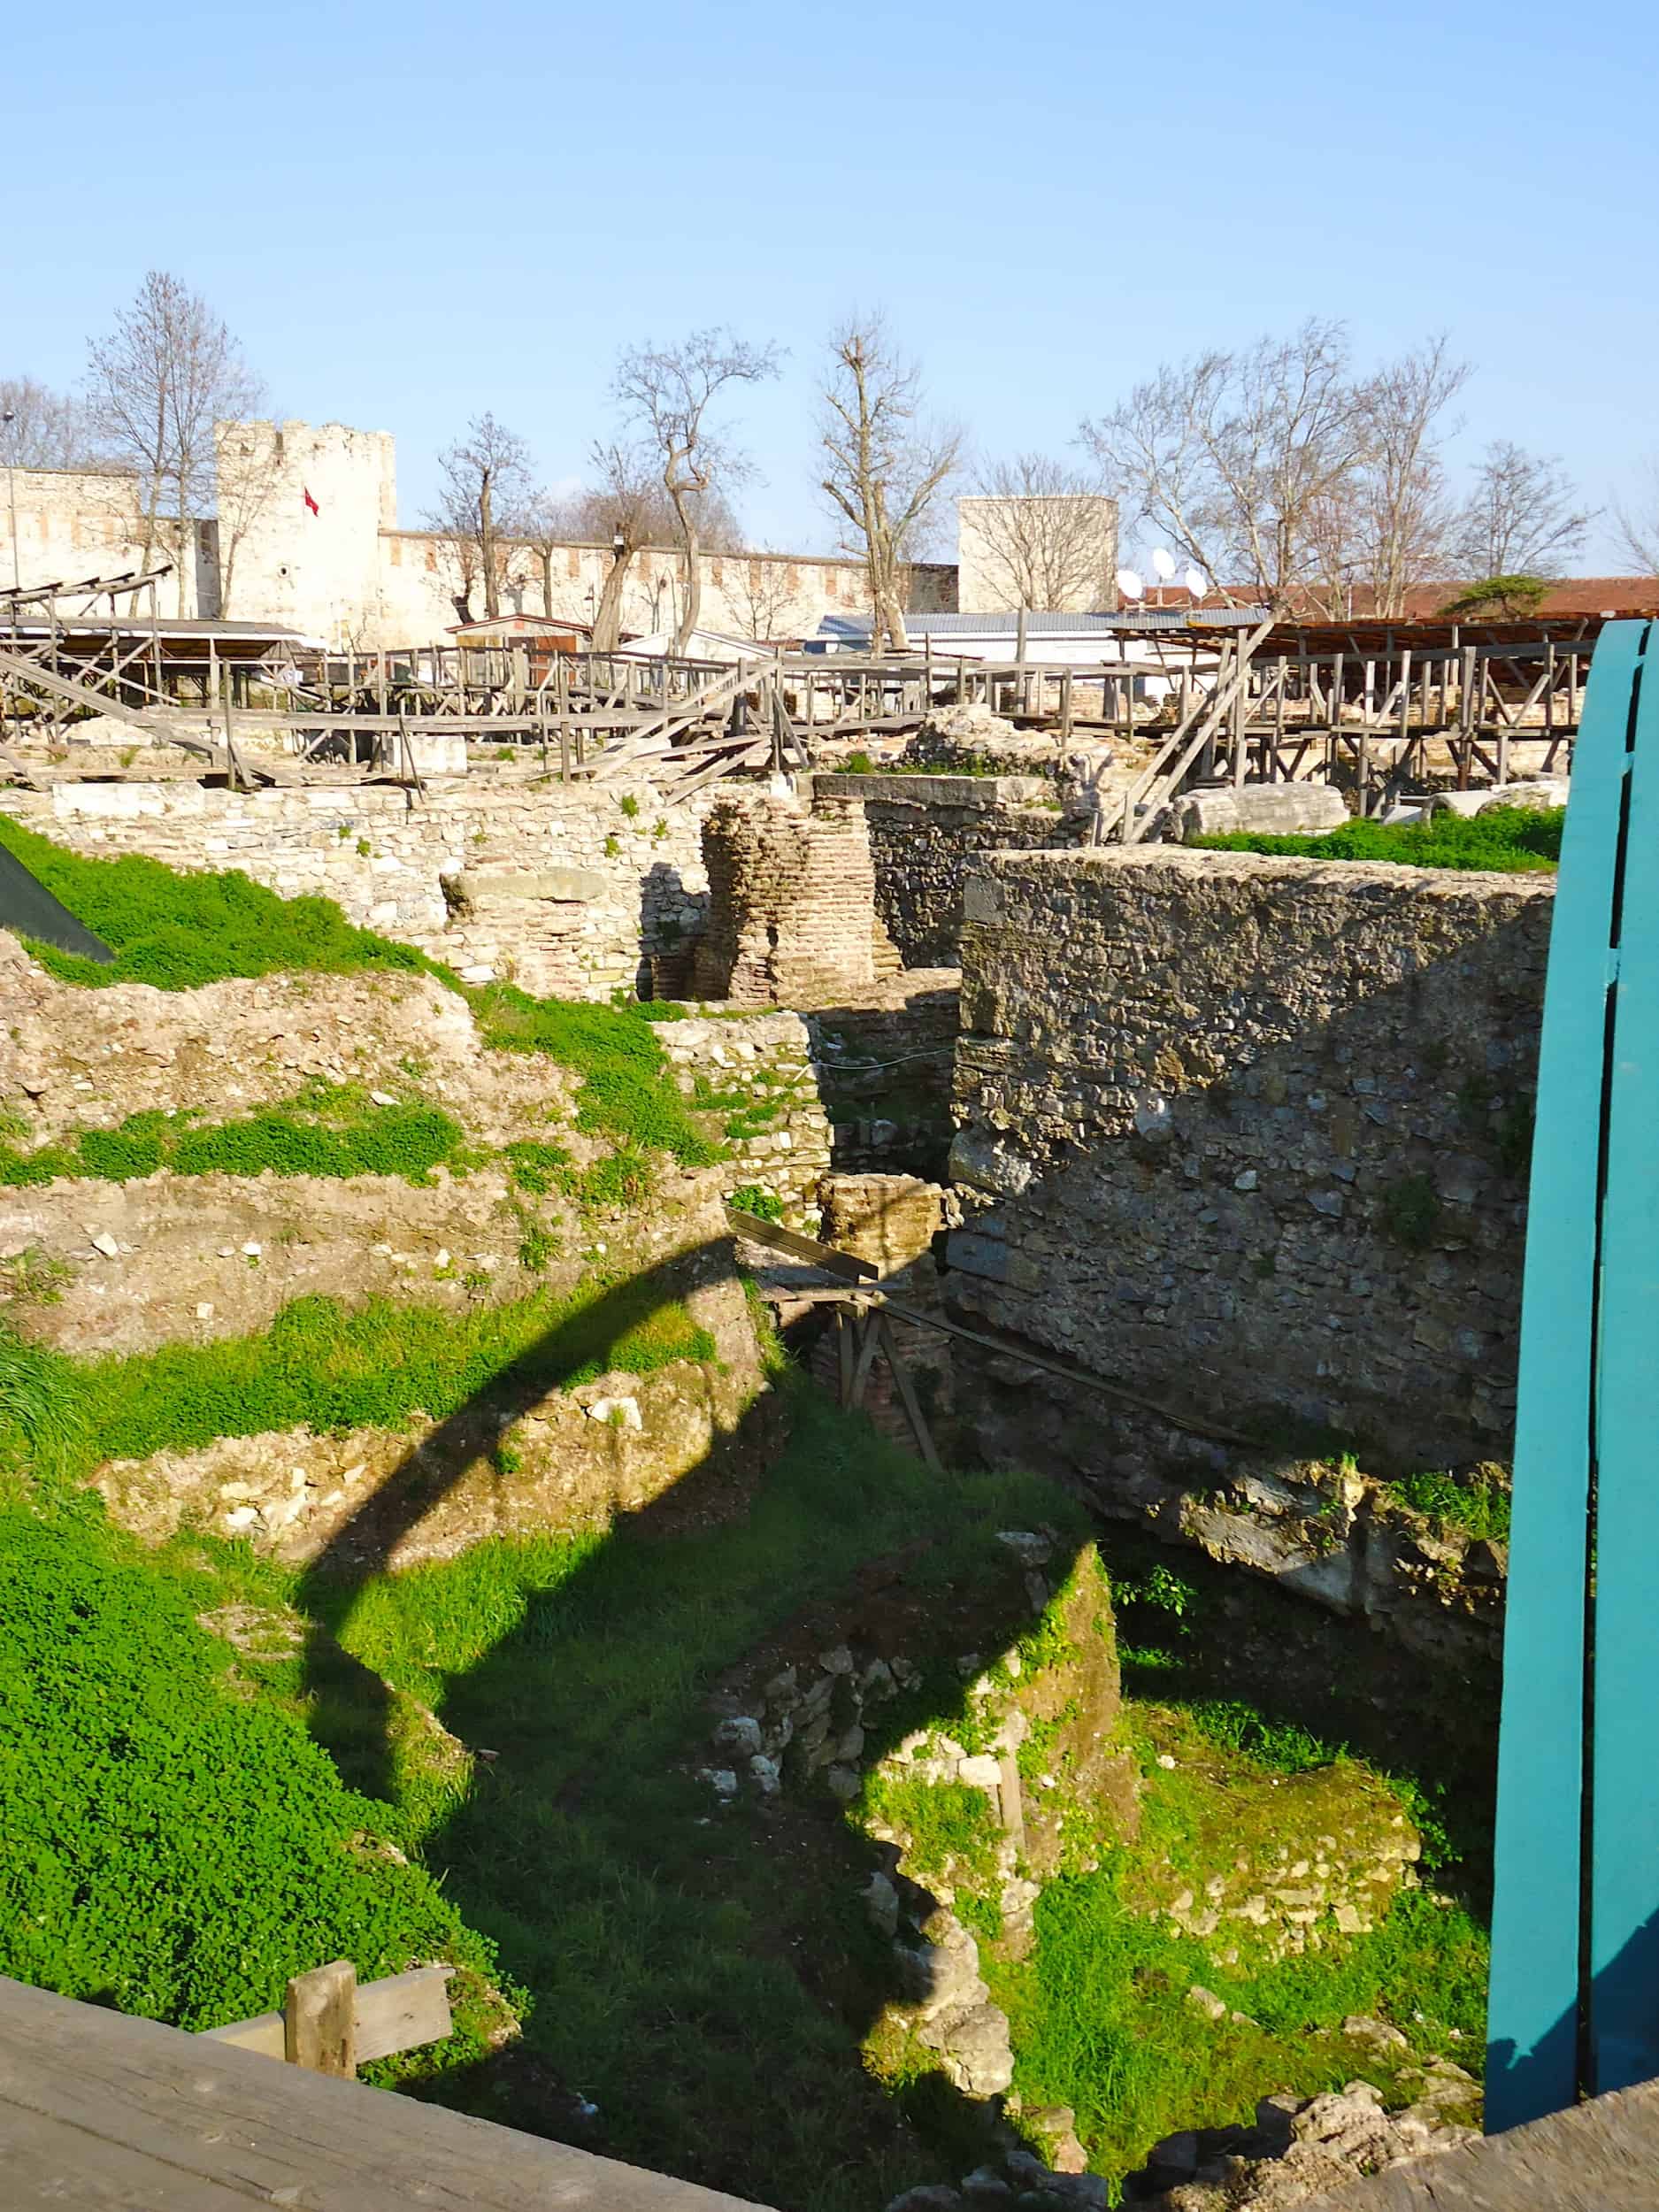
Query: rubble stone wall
(1251, 1134)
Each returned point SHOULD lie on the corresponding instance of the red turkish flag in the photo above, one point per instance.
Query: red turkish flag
(310, 502)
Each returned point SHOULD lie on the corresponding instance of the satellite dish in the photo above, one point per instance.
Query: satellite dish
(1194, 583)
(1130, 585)
(1162, 566)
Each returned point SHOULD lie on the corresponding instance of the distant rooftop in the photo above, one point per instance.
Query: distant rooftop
(1132, 619)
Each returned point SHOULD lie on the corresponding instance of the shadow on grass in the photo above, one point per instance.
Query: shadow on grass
(703, 1973)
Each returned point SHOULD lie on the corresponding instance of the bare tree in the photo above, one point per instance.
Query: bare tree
(1521, 518)
(666, 393)
(1040, 523)
(157, 384)
(763, 595)
(546, 524)
(1639, 523)
(883, 465)
(47, 429)
(1234, 456)
(1386, 525)
(486, 486)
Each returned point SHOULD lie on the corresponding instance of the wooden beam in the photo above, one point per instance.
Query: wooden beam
(795, 1246)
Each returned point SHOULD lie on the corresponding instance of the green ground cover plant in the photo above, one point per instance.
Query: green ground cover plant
(681, 1969)
(166, 1845)
(1511, 840)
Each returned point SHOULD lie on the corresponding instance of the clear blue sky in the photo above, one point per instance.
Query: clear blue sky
(411, 213)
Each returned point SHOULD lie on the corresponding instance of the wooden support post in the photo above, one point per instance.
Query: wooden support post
(907, 1398)
(318, 2020)
(844, 1356)
(869, 1345)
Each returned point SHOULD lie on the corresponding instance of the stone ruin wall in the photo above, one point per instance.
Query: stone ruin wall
(792, 903)
(925, 832)
(1250, 1134)
(563, 892)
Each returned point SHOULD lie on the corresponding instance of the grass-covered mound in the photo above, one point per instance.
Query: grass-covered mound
(169, 1845)
(329, 1367)
(1511, 840)
(178, 931)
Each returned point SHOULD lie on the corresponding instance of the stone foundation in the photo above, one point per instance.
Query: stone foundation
(925, 832)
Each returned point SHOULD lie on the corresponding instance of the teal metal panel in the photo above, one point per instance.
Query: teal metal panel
(1535, 2014)
(1623, 1885)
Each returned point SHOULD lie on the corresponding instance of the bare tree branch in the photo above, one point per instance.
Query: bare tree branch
(157, 384)
(1521, 518)
(666, 393)
(48, 430)
(1039, 525)
(883, 466)
(1231, 456)
(486, 489)
(1639, 523)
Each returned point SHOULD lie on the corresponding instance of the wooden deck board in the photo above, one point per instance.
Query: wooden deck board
(99, 2110)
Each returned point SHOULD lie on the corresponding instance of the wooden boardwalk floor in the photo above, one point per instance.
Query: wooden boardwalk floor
(99, 2111)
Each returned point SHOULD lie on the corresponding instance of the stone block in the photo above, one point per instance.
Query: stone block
(1276, 810)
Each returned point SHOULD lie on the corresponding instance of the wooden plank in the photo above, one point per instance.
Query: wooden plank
(1624, 1931)
(1532, 2015)
(402, 2011)
(318, 2020)
(799, 1248)
(100, 2110)
(263, 2033)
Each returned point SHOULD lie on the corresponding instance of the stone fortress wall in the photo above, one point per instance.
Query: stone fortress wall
(346, 574)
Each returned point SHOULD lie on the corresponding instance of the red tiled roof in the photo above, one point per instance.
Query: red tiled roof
(1564, 598)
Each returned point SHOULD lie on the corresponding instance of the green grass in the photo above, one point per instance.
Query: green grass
(178, 931)
(1475, 1504)
(1101, 2020)
(181, 931)
(332, 1368)
(168, 1846)
(330, 1130)
(1511, 840)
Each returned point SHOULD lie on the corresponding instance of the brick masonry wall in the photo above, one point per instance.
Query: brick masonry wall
(562, 891)
(792, 903)
(1251, 1132)
(924, 833)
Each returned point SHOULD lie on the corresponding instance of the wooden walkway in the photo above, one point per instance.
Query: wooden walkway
(98, 2111)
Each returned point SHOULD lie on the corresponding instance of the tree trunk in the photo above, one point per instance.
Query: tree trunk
(693, 576)
(608, 616)
(546, 558)
(486, 549)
